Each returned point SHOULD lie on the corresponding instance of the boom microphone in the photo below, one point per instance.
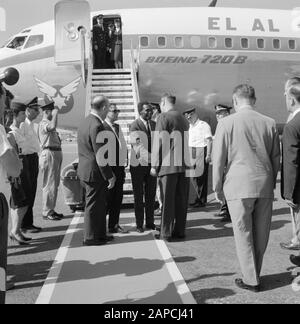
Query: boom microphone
(10, 76)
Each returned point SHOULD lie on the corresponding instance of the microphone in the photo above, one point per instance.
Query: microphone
(10, 76)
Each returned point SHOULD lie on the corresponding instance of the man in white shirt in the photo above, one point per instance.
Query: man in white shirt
(31, 161)
(200, 144)
(10, 165)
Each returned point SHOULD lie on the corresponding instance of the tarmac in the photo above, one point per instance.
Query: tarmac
(137, 269)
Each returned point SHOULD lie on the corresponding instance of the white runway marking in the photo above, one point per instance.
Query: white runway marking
(52, 285)
(48, 288)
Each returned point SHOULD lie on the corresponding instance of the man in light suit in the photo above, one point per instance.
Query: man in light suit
(169, 157)
(96, 176)
(290, 179)
(144, 185)
(247, 147)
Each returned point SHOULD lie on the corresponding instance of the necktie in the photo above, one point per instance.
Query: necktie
(148, 129)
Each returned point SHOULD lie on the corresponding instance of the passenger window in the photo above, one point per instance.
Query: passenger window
(292, 44)
(17, 43)
(34, 41)
(212, 42)
(228, 42)
(261, 43)
(195, 41)
(161, 41)
(144, 41)
(245, 42)
(178, 42)
(276, 43)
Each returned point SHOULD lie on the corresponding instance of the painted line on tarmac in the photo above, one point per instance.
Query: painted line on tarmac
(49, 284)
(178, 280)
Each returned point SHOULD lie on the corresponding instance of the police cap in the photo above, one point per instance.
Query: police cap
(49, 106)
(33, 103)
(100, 17)
(189, 111)
(221, 108)
(17, 107)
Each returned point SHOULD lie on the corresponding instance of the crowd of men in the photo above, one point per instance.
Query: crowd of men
(168, 149)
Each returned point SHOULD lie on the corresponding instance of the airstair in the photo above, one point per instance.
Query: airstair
(120, 87)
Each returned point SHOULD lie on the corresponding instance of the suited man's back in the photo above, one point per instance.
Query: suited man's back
(88, 169)
(252, 147)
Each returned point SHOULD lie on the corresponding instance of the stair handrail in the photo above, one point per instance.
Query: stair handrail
(87, 65)
(134, 71)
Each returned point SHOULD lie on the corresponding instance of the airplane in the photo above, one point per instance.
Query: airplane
(199, 54)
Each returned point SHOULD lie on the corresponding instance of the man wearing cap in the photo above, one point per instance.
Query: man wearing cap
(50, 160)
(221, 112)
(200, 144)
(31, 160)
(118, 163)
(99, 44)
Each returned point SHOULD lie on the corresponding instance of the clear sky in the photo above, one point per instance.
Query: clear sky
(24, 13)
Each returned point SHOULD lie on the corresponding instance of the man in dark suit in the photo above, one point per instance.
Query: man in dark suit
(118, 163)
(169, 162)
(99, 44)
(96, 175)
(144, 185)
(290, 179)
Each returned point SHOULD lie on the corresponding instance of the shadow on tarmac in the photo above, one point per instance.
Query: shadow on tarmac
(204, 295)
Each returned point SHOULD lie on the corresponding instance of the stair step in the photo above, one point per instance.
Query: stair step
(112, 71)
(118, 101)
(99, 86)
(117, 82)
(114, 94)
(111, 77)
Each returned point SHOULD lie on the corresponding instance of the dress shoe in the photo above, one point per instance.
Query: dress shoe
(94, 242)
(25, 238)
(109, 238)
(17, 238)
(240, 283)
(295, 260)
(52, 217)
(290, 246)
(118, 229)
(140, 229)
(61, 216)
(31, 229)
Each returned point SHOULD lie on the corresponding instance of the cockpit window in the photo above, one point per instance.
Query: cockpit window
(34, 41)
(17, 42)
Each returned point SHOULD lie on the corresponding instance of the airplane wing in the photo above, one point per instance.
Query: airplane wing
(46, 88)
(70, 88)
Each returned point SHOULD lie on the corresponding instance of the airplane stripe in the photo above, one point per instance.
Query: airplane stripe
(189, 42)
(23, 57)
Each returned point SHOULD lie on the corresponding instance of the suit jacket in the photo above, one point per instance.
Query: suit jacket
(290, 176)
(120, 153)
(99, 37)
(140, 143)
(170, 145)
(88, 168)
(246, 146)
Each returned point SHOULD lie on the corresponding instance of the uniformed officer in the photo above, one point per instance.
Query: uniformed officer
(50, 160)
(31, 160)
(221, 112)
(99, 44)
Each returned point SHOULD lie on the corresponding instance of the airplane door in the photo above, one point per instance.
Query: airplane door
(70, 17)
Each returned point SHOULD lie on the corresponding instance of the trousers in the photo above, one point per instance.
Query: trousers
(50, 164)
(3, 246)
